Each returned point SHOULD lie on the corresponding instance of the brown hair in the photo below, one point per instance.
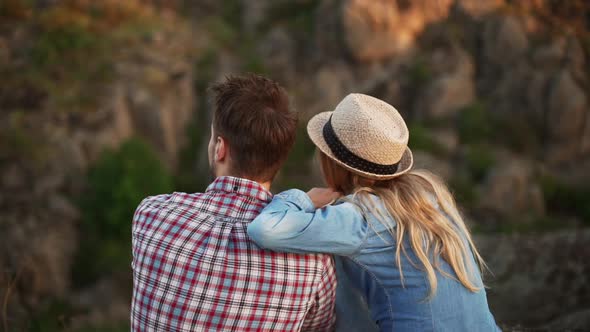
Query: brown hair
(424, 212)
(252, 114)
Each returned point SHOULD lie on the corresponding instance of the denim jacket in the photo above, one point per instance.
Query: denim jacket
(365, 253)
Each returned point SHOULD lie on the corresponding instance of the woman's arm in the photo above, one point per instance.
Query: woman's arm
(290, 223)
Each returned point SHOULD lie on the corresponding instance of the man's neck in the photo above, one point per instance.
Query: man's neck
(265, 184)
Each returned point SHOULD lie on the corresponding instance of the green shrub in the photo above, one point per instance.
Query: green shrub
(53, 317)
(299, 16)
(117, 184)
(420, 139)
(475, 125)
(52, 46)
(479, 159)
(518, 132)
(251, 61)
(73, 45)
(224, 33)
(19, 141)
(531, 224)
(204, 70)
(187, 179)
(56, 316)
(121, 327)
(565, 198)
(419, 73)
(464, 190)
(294, 173)
(232, 12)
(15, 9)
(302, 151)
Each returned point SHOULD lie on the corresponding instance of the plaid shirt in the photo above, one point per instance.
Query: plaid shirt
(195, 269)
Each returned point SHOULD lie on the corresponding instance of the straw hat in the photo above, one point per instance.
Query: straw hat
(365, 135)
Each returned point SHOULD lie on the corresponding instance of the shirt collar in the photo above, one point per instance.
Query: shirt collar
(240, 186)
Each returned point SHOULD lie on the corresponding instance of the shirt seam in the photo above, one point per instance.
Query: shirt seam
(380, 285)
(430, 305)
(357, 251)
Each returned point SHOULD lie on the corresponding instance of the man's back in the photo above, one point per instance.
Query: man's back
(195, 269)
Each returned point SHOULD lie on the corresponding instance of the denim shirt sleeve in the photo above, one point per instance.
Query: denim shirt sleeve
(290, 223)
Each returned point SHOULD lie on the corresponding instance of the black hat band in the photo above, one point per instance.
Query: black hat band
(342, 153)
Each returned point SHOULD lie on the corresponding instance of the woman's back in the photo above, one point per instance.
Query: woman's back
(365, 250)
(404, 305)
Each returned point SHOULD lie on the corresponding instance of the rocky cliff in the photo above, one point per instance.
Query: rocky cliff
(73, 85)
(496, 94)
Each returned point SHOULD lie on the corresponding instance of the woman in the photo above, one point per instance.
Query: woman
(397, 234)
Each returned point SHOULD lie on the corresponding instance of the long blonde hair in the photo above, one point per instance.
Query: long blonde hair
(424, 211)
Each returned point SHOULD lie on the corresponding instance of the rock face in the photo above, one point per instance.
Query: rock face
(430, 59)
(453, 89)
(478, 8)
(154, 102)
(505, 41)
(375, 30)
(546, 274)
(279, 50)
(151, 96)
(567, 112)
(427, 161)
(510, 190)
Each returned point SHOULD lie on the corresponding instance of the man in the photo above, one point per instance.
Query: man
(194, 267)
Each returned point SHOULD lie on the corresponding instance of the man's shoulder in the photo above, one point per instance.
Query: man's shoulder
(173, 197)
(157, 202)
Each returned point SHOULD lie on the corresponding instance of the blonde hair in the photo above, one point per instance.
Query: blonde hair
(424, 211)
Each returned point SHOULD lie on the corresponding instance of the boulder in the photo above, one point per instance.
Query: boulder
(550, 54)
(369, 30)
(108, 300)
(331, 84)
(378, 29)
(536, 95)
(504, 41)
(154, 101)
(585, 141)
(4, 51)
(567, 107)
(446, 138)
(277, 48)
(329, 34)
(576, 59)
(254, 13)
(576, 321)
(566, 115)
(431, 163)
(510, 190)
(453, 89)
(37, 248)
(537, 278)
(13, 177)
(478, 8)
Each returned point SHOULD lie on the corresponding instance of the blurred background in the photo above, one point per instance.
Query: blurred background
(104, 102)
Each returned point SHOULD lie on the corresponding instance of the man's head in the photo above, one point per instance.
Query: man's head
(253, 128)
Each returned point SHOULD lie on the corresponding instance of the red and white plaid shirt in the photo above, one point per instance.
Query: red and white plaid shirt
(195, 269)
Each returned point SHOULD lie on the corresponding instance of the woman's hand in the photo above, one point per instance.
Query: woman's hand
(323, 196)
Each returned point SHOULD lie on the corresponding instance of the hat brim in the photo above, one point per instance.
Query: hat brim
(315, 128)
